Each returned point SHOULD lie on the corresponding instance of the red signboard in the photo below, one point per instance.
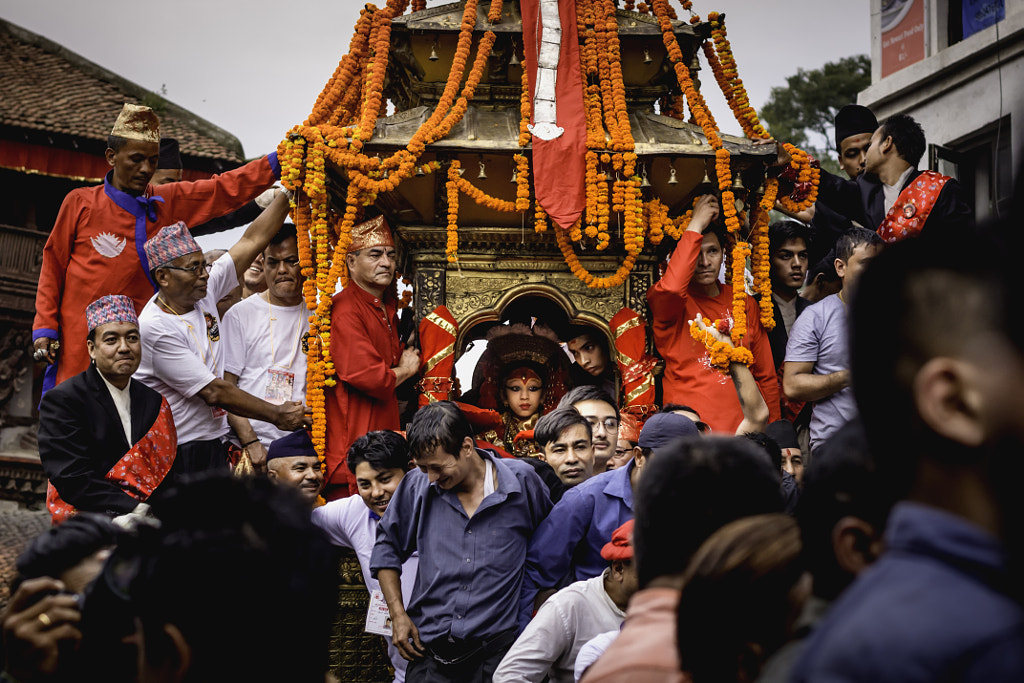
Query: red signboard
(903, 34)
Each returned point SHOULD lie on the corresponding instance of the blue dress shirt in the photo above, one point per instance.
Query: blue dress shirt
(470, 569)
(567, 545)
(933, 608)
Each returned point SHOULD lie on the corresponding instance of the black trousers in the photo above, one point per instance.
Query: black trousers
(194, 457)
(467, 662)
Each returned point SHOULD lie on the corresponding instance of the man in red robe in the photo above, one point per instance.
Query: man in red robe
(367, 353)
(96, 246)
(689, 288)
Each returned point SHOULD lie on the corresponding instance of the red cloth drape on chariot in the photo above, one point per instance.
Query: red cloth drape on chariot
(635, 366)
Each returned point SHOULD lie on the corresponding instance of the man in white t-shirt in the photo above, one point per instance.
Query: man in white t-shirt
(265, 338)
(379, 461)
(182, 351)
(547, 649)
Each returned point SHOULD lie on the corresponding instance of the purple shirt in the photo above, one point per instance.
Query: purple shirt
(819, 336)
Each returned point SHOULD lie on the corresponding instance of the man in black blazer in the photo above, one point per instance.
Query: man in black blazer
(788, 245)
(106, 441)
(890, 166)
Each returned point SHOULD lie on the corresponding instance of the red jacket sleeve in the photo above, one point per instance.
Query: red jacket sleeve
(56, 257)
(667, 298)
(199, 201)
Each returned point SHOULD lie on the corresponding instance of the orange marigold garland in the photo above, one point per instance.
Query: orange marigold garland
(761, 258)
(720, 353)
(452, 248)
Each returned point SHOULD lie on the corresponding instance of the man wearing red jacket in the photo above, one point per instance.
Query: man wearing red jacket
(96, 246)
(689, 288)
(367, 352)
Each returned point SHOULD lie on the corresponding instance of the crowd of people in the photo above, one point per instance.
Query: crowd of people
(832, 501)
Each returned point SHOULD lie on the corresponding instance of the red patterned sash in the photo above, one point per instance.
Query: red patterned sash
(911, 209)
(139, 471)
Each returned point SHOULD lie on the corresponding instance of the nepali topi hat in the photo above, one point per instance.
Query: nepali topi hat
(629, 428)
(372, 233)
(619, 548)
(294, 445)
(853, 119)
(170, 154)
(171, 242)
(113, 308)
(136, 122)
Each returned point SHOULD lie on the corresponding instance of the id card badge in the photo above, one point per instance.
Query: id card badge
(378, 619)
(279, 386)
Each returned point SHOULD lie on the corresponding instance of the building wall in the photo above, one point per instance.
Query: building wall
(958, 93)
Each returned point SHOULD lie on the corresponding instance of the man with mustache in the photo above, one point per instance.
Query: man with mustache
(379, 461)
(183, 352)
(292, 461)
(265, 336)
(367, 353)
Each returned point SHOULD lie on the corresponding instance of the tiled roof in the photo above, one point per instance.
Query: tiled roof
(50, 89)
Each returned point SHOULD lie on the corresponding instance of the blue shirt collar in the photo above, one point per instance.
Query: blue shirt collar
(137, 206)
(619, 484)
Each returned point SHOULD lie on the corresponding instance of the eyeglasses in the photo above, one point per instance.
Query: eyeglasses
(619, 452)
(196, 270)
(610, 423)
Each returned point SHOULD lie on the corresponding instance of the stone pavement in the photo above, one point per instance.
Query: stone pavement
(18, 526)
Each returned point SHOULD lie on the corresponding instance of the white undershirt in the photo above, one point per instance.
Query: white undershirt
(488, 477)
(892, 192)
(123, 403)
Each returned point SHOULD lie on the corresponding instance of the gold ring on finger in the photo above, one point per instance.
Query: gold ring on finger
(45, 618)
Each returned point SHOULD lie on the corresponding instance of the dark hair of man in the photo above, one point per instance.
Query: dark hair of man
(907, 135)
(840, 481)
(718, 230)
(933, 296)
(748, 567)
(587, 392)
(768, 445)
(781, 232)
(287, 231)
(116, 142)
(691, 489)
(439, 424)
(550, 427)
(853, 238)
(826, 267)
(382, 449)
(61, 547)
(674, 407)
(234, 557)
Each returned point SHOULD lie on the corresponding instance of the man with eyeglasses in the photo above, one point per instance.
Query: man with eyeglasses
(266, 338)
(182, 349)
(599, 409)
(567, 545)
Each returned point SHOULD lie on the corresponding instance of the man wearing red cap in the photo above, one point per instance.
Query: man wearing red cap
(367, 353)
(97, 243)
(106, 441)
(547, 649)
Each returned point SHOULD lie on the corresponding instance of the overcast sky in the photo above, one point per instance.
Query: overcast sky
(255, 67)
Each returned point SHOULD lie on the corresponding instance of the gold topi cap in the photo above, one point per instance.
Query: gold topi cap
(372, 233)
(136, 122)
